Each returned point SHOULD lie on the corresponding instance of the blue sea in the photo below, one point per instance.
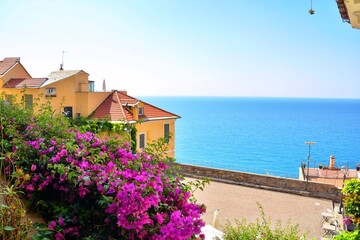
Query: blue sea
(264, 135)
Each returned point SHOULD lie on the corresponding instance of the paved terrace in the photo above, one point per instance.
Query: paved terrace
(234, 201)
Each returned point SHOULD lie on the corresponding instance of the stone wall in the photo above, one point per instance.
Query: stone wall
(288, 185)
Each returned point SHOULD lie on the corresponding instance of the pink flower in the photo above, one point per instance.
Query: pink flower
(33, 167)
(30, 187)
(84, 165)
(52, 225)
(83, 191)
(61, 221)
(59, 236)
(347, 221)
(159, 218)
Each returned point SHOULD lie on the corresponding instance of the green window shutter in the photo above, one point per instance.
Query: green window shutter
(28, 101)
(167, 132)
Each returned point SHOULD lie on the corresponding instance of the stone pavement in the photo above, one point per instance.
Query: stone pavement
(234, 201)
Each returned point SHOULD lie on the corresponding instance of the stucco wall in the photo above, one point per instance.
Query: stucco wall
(17, 94)
(94, 100)
(294, 186)
(154, 130)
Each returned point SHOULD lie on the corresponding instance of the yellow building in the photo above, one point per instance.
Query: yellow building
(72, 93)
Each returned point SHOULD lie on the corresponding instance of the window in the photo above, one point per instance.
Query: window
(68, 112)
(91, 86)
(50, 92)
(10, 98)
(28, 101)
(167, 132)
(141, 111)
(142, 140)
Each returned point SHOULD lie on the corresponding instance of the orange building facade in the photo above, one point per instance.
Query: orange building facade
(71, 93)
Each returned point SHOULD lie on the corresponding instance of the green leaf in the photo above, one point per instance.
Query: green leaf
(4, 206)
(71, 175)
(9, 228)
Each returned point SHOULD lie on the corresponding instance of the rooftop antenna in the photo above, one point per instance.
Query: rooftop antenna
(308, 163)
(311, 11)
(62, 61)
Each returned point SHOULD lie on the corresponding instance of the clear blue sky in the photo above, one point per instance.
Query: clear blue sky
(189, 47)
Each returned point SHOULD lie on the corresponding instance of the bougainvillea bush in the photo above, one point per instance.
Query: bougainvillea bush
(87, 188)
(351, 199)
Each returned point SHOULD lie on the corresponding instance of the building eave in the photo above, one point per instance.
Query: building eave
(130, 104)
(157, 118)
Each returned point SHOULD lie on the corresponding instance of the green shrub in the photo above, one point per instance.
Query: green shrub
(355, 235)
(261, 229)
(105, 128)
(351, 193)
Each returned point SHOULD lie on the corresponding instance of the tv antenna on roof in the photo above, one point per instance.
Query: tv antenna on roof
(62, 61)
(308, 163)
(311, 11)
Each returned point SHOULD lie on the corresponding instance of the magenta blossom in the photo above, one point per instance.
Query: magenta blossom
(52, 225)
(33, 167)
(347, 220)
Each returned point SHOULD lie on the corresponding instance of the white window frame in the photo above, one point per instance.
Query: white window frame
(142, 134)
(50, 92)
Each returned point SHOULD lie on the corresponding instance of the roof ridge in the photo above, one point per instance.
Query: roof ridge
(13, 61)
(119, 102)
(28, 78)
(7, 68)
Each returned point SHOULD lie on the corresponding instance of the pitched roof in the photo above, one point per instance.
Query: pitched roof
(111, 108)
(61, 74)
(7, 63)
(152, 112)
(117, 107)
(25, 82)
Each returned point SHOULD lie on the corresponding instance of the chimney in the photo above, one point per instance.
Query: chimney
(332, 162)
(104, 86)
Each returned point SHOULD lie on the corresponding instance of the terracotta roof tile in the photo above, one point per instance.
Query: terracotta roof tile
(110, 109)
(124, 98)
(25, 82)
(117, 107)
(128, 114)
(151, 111)
(7, 63)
